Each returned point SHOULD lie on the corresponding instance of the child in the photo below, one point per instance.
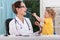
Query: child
(47, 28)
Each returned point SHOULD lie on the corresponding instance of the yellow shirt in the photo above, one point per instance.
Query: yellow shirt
(48, 27)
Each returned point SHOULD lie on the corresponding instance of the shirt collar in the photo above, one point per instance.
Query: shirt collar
(19, 21)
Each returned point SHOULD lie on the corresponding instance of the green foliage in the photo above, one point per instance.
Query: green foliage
(33, 6)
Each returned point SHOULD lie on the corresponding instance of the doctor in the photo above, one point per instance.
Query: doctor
(20, 25)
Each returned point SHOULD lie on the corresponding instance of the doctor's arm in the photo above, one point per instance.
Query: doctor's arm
(12, 29)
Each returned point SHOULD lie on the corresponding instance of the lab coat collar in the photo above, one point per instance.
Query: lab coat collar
(19, 21)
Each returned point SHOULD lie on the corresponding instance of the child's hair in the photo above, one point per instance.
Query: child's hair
(51, 12)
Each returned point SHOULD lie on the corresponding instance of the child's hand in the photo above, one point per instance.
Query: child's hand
(37, 23)
(34, 14)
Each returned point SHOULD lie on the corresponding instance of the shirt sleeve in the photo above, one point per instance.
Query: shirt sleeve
(47, 21)
(12, 28)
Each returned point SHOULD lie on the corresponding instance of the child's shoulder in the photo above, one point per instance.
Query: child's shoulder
(47, 19)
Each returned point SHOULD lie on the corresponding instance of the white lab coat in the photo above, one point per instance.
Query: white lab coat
(21, 28)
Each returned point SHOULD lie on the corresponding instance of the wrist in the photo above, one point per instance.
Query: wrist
(35, 15)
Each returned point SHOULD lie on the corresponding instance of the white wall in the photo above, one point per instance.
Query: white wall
(48, 3)
(51, 3)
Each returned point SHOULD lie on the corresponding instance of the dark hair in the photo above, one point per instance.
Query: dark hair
(16, 5)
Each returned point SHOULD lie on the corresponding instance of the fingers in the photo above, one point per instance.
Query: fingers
(37, 23)
(40, 31)
(34, 14)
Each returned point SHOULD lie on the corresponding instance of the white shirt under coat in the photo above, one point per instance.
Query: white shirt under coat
(21, 28)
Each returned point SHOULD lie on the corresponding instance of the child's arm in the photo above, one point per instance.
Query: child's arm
(38, 18)
(38, 24)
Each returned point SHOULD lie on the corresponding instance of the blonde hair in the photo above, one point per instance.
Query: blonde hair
(51, 12)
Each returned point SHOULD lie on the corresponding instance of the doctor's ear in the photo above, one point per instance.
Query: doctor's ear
(17, 9)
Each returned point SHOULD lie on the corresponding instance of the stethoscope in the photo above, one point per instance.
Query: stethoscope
(21, 25)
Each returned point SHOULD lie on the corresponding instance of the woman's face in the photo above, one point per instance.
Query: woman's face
(22, 10)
